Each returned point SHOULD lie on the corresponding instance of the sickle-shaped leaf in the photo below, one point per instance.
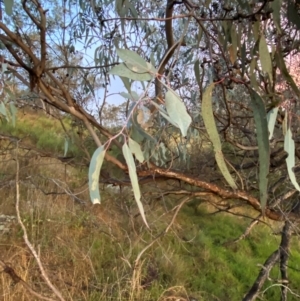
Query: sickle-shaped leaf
(134, 180)
(177, 111)
(211, 128)
(276, 6)
(260, 118)
(197, 71)
(66, 146)
(265, 58)
(234, 44)
(256, 29)
(94, 173)
(271, 118)
(289, 147)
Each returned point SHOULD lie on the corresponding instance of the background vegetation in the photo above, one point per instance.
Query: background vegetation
(194, 177)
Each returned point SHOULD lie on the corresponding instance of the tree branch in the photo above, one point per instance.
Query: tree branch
(17, 279)
(263, 275)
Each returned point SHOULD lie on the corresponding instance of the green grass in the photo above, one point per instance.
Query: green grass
(44, 132)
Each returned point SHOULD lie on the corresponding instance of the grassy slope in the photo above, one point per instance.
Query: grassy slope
(43, 132)
(89, 252)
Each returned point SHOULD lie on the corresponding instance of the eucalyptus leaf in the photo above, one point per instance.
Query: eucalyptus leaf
(271, 118)
(8, 4)
(136, 135)
(253, 75)
(139, 131)
(276, 6)
(94, 173)
(3, 109)
(234, 44)
(136, 68)
(289, 147)
(177, 111)
(199, 36)
(133, 60)
(126, 95)
(265, 57)
(134, 180)
(285, 124)
(256, 29)
(126, 83)
(136, 150)
(262, 133)
(152, 60)
(281, 64)
(211, 128)
(66, 146)
(122, 70)
(133, 10)
(144, 117)
(164, 113)
(197, 71)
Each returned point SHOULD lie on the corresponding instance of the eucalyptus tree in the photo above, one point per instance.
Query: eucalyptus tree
(215, 80)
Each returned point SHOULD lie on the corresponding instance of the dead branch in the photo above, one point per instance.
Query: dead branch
(25, 236)
(262, 277)
(248, 229)
(282, 255)
(17, 279)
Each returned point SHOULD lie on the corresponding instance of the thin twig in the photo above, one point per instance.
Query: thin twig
(25, 236)
(17, 279)
(249, 228)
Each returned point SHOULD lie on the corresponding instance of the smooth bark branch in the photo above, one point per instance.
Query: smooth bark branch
(9, 45)
(170, 50)
(16, 40)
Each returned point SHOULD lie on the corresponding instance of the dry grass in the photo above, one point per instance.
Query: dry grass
(90, 252)
(87, 251)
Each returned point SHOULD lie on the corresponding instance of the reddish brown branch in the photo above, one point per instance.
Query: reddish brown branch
(222, 192)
